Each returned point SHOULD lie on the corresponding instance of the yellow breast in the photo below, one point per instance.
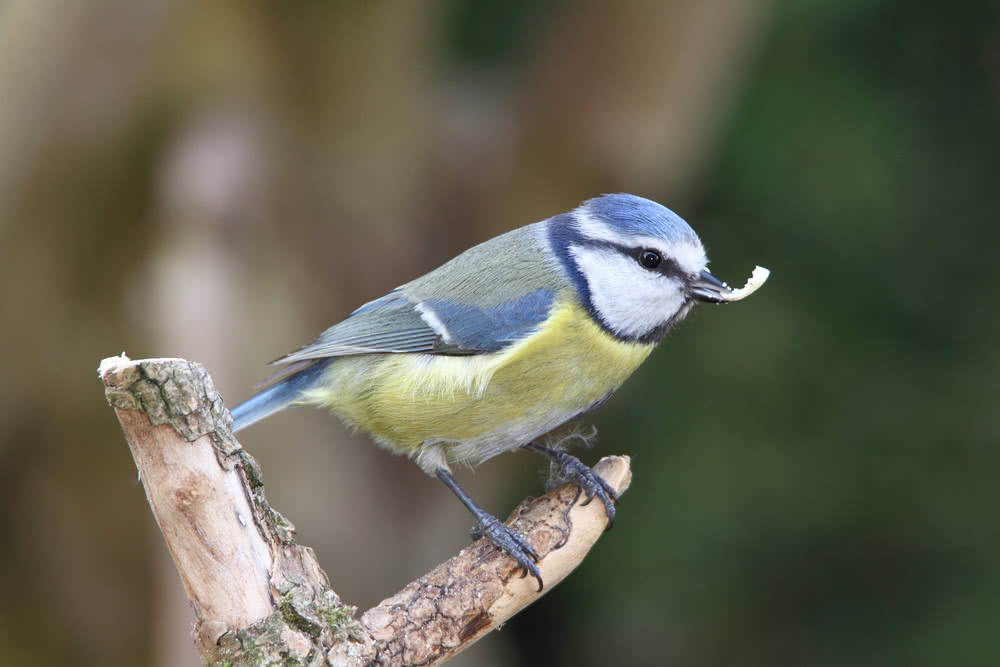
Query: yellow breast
(404, 400)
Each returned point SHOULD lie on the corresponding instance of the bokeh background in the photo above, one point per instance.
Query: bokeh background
(817, 469)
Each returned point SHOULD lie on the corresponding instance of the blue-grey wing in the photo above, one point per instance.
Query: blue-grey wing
(389, 324)
(396, 324)
(482, 301)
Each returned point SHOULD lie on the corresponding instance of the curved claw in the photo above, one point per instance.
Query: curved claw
(589, 481)
(513, 544)
(536, 574)
(504, 538)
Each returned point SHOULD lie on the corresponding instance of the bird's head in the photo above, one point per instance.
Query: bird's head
(638, 267)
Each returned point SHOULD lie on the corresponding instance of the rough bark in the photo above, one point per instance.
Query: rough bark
(261, 598)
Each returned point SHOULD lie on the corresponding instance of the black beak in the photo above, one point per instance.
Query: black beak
(706, 287)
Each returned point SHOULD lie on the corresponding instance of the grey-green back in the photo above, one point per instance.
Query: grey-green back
(481, 301)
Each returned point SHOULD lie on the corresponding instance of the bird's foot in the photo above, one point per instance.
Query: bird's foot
(589, 481)
(510, 542)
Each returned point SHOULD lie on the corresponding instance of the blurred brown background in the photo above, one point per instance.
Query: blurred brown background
(815, 469)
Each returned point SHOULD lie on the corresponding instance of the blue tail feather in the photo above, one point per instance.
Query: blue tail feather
(277, 397)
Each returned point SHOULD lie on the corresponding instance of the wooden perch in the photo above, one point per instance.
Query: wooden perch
(260, 598)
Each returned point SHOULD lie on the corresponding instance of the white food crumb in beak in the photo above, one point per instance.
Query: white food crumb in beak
(756, 279)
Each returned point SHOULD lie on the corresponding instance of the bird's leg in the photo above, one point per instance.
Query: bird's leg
(579, 472)
(504, 538)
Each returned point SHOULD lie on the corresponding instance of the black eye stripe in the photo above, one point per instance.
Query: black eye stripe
(666, 267)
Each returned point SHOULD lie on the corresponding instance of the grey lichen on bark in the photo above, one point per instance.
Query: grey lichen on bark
(261, 598)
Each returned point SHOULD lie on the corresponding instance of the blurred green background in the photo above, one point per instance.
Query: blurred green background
(816, 469)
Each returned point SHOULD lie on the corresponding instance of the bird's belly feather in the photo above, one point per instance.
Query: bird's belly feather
(478, 406)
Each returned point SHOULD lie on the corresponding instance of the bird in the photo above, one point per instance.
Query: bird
(504, 343)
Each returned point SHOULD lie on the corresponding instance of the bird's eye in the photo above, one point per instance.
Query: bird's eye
(649, 258)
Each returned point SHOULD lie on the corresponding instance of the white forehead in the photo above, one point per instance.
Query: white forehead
(689, 254)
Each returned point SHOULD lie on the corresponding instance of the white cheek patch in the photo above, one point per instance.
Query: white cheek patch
(631, 301)
(690, 256)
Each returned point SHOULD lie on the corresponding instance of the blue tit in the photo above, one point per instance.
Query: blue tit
(504, 343)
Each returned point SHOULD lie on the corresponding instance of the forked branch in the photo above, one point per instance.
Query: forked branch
(261, 598)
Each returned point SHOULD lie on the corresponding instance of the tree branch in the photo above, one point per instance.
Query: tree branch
(261, 598)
